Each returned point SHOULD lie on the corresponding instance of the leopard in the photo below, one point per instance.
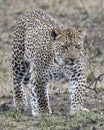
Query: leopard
(44, 49)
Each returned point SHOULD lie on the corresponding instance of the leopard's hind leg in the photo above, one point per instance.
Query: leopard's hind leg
(20, 68)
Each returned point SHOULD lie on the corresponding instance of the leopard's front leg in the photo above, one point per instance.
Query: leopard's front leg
(77, 90)
(39, 98)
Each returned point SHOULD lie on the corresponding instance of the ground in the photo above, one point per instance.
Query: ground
(78, 13)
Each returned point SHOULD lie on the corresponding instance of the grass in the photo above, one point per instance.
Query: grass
(60, 121)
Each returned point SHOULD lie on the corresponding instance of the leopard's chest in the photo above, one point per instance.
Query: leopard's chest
(55, 73)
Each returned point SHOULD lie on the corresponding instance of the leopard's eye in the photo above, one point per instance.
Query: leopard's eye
(64, 47)
(77, 46)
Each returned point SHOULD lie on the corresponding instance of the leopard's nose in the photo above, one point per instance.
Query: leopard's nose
(72, 59)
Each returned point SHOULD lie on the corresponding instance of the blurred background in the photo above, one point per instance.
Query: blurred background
(87, 14)
(77, 13)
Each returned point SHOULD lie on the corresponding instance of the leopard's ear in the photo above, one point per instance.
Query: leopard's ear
(82, 33)
(55, 33)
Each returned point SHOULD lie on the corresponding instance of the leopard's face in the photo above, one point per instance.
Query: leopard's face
(67, 45)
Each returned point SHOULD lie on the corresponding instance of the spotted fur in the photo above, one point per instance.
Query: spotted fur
(43, 50)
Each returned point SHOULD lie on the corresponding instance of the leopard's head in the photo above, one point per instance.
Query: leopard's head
(67, 45)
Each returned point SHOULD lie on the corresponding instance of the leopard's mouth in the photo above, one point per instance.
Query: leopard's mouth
(71, 63)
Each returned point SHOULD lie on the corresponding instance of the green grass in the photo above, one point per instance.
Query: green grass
(90, 78)
(60, 121)
(100, 60)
